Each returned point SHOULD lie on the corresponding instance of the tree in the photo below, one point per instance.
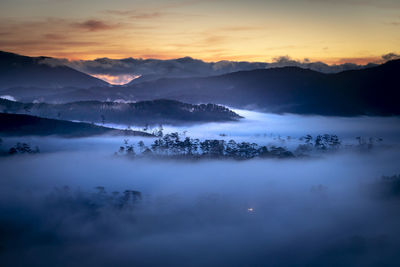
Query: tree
(308, 138)
(130, 150)
(141, 146)
(231, 149)
(23, 148)
(334, 142)
(159, 132)
(319, 143)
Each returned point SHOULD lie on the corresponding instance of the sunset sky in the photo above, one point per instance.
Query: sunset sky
(333, 31)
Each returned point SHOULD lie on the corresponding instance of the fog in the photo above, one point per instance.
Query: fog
(331, 209)
(264, 128)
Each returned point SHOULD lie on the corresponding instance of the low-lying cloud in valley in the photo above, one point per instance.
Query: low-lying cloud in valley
(328, 209)
(220, 213)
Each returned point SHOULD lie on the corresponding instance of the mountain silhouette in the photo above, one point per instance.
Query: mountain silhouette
(368, 91)
(23, 71)
(371, 91)
(140, 113)
(26, 125)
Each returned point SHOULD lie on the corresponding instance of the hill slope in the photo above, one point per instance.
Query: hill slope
(25, 125)
(23, 71)
(359, 92)
(140, 113)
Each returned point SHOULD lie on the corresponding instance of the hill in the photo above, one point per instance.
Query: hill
(26, 125)
(23, 71)
(140, 113)
(372, 91)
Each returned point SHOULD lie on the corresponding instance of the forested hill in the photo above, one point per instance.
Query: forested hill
(26, 125)
(140, 113)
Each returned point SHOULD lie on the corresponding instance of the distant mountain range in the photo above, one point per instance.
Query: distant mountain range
(367, 91)
(154, 69)
(140, 113)
(22, 71)
(26, 125)
(372, 91)
(47, 72)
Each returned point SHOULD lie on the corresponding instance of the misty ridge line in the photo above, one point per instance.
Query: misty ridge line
(140, 113)
(197, 67)
(139, 70)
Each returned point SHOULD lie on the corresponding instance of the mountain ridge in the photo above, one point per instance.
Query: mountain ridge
(17, 70)
(27, 125)
(154, 112)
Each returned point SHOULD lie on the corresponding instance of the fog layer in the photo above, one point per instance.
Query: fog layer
(331, 210)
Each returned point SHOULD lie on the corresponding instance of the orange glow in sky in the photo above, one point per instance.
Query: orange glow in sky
(337, 31)
(116, 80)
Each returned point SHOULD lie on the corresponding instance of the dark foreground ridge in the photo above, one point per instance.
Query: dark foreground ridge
(26, 125)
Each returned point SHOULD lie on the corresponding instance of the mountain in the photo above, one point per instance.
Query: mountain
(371, 91)
(188, 67)
(140, 113)
(23, 71)
(368, 91)
(154, 69)
(26, 125)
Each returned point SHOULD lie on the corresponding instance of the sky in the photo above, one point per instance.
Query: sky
(332, 31)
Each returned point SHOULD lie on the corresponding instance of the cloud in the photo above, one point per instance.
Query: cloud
(283, 59)
(390, 56)
(137, 15)
(321, 210)
(61, 37)
(8, 97)
(240, 29)
(394, 23)
(383, 4)
(95, 25)
(357, 60)
(53, 36)
(213, 40)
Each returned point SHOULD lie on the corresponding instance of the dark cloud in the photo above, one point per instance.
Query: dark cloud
(385, 4)
(136, 15)
(390, 56)
(393, 23)
(242, 28)
(95, 25)
(53, 36)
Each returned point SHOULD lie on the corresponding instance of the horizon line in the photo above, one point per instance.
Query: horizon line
(360, 61)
